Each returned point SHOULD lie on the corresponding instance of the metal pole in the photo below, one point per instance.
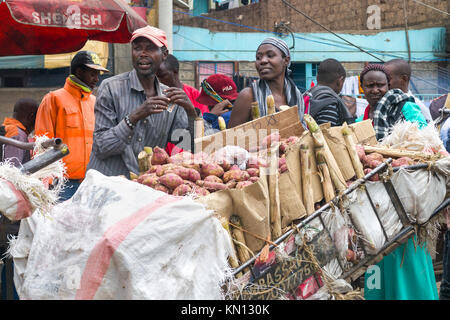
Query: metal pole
(165, 20)
(317, 213)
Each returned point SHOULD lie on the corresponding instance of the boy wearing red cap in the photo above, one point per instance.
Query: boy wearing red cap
(218, 92)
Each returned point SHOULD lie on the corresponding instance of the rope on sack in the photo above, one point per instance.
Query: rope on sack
(252, 234)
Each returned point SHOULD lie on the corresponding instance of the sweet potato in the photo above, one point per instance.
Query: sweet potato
(283, 168)
(253, 172)
(182, 172)
(270, 139)
(403, 161)
(375, 177)
(373, 163)
(162, 188)
(182, 190)
(159, 156)
(171, 180)
(374, 156)
(151, 181)
(283, 147)
(281, 162)
(253, 162)
(211, 186)
(350, 256)
(209, 169)
(154, 168)
(189, 183)
(142, 177)
(191, 165)
(194, 175)
(231, 184)
(213, 179)
(361, 153)
(199, 191)
(165, 168)
(244, 175)
(233, 174)
(243, 184)
(225, 165)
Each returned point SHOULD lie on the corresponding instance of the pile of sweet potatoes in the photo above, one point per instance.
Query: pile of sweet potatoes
(196, 174)
(200, 174)
(372, 160)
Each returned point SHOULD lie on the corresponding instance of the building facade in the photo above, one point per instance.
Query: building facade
(208, 38)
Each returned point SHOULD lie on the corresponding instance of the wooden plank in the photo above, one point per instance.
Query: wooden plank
(252, 133)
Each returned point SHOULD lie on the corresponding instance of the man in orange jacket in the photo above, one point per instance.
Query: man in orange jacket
(68, 113)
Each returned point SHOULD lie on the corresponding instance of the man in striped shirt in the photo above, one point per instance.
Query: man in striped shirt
(325, 105)
(134, 110)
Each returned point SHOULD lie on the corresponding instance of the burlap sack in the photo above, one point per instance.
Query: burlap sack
(364, 133)
(251, 204)
(290, 188)
(307, 139)
(336, 143)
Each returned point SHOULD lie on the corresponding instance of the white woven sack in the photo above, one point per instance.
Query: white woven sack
(420, 191)
(117, 239)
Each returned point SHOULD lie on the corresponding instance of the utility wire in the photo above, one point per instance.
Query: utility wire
(333, 43)
(322, 26)
(259, 29)
(431, 7)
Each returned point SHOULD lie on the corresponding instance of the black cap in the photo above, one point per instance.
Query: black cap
(86, 58)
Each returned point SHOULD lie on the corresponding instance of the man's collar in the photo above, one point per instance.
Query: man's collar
(135, 83)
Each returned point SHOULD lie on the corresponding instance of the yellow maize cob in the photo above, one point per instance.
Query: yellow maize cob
(270, 104)
(222, 124)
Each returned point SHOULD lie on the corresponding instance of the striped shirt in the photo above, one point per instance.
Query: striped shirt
(328, 114)
(116, 145)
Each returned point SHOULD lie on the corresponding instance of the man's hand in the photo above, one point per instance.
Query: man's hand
(179, 97)
(221, 107)
(151, 105)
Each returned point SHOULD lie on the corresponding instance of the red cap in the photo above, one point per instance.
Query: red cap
(155, 35)
(223, 85)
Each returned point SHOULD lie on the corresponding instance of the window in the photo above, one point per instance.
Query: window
(205, 69)
(314, 69)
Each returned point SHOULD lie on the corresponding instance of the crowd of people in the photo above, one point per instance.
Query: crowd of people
(150, 106)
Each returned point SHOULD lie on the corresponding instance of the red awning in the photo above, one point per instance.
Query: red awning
(34, 27)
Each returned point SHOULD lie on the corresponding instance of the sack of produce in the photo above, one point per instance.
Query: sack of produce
(366, 221)
(420, 191)
(117, 239)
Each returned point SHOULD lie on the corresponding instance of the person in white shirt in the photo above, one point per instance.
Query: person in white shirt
(400, 72)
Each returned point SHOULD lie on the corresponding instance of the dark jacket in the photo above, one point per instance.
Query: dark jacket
(326, 106)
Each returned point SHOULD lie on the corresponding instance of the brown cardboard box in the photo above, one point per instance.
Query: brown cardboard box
(251, 134)
(364, 133)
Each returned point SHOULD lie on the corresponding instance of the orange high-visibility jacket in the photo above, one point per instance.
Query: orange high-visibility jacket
(68, 113)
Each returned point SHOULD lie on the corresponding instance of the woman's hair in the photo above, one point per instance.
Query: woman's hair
(373, 67)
